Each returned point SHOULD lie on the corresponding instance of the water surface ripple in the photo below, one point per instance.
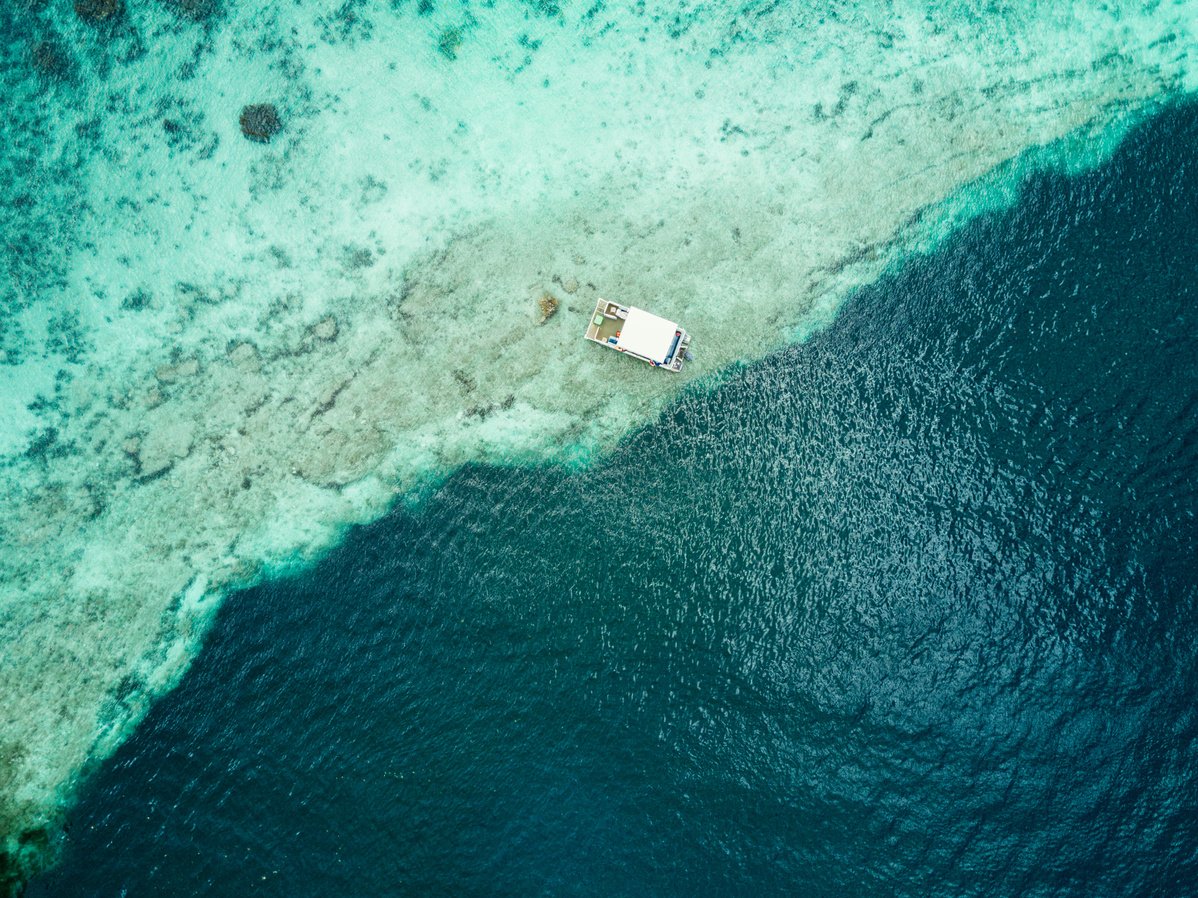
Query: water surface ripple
(908, 609)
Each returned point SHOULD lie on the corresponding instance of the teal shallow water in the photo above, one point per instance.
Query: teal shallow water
(908, 609)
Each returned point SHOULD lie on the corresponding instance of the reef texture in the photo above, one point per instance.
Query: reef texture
(260, 122)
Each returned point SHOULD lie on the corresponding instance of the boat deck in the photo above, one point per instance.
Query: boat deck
(610, 317)
(641, 334)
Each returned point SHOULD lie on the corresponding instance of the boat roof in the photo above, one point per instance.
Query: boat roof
(647, 335)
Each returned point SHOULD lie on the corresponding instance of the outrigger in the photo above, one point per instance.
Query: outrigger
(641, 334)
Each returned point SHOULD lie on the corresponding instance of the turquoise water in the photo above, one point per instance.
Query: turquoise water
(220, 351)
(907, 609)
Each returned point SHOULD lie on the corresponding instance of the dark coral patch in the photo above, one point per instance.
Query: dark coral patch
(260, 122)
(50, 59)
(97, 11)
(196, 10)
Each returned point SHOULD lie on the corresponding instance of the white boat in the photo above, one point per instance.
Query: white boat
(643, 335)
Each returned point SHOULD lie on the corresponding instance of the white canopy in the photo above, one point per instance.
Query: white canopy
(647, 335)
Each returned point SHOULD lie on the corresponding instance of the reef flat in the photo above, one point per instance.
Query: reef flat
(230, 332)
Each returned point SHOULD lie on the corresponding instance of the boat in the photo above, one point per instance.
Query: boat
(640, 334)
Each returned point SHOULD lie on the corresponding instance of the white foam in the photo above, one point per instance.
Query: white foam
(252, 347)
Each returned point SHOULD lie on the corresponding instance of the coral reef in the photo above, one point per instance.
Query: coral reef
(97, 11)
(260, 122)
(196, 10)
(50, 59)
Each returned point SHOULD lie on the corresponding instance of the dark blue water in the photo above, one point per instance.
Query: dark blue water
(910, 609)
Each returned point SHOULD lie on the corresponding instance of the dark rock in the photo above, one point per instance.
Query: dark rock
(98, 11)
(137, 300)
(32, 850)
(449, 42)
(281, 256)
(358, 257)
(50, 59)
(260, 122)
(181, 133)
(196, 10)
(43, 444)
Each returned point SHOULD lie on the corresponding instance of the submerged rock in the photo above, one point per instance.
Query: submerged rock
(548, 306)
(245, 356)
(97, 11)
(196, 10)
(50, 59)
(169, 374)
(260, 122)
(165, 444)
(326, 328)
(138, 300)
(449, 42)
(24, 852)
